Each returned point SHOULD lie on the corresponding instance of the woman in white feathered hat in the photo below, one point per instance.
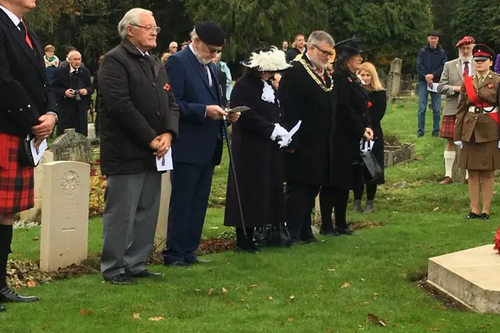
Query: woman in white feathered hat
(257, 157)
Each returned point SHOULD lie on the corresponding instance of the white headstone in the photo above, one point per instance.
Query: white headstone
(162, 225)
(34, 214)
(91, 131)
(65, 223)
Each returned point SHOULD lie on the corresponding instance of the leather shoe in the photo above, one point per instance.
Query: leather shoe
(8, 295)
(299, 241)
(120, 279)
(146, 274)
(310, 240)
(246, 249)
(199, 261)
(332, 232)
(446, 181)
(178, 263)
(345, 231)
(472, 215)
(485, 216)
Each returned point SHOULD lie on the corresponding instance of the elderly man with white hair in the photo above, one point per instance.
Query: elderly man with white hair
(139, 122)
(173, 47)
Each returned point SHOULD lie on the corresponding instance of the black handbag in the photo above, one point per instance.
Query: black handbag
(25, 155)
(369, 160)
(276, 235)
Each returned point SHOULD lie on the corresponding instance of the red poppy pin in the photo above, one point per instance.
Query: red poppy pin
(490, 85)
(350, 79)
(369, 104)
(167, 87)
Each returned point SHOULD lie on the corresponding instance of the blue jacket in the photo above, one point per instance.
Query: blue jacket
(430, 61)
(200, 137)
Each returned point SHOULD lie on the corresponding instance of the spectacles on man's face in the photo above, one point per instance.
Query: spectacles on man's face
(148, 28)
(324, 52)
(212, 49)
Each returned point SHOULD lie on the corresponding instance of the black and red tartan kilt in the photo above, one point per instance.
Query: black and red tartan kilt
(16, 181)
(448, 127)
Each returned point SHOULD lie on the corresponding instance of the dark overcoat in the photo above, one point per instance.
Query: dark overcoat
(257, 159)
(137, 105)
(352, 119)
(303, 98)
(376, 110)
(72, 113)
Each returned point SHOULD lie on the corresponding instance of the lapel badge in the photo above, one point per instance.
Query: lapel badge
(490, 85)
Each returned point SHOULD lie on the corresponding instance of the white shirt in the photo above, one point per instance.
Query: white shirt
(204, 66)
(12, 17)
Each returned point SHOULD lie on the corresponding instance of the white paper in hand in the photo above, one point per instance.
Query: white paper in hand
(433, 89)
(37, 153)
(285, 140)
(165, 162)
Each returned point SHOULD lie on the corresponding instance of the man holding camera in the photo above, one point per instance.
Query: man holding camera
(73, 89)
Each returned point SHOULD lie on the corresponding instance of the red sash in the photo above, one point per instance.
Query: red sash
(474, 98)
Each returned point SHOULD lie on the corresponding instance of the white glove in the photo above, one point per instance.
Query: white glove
(459, 144)
(278, 131)
(498, 144)
(285, 142)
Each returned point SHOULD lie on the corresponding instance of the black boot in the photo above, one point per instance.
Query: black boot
(245, 244)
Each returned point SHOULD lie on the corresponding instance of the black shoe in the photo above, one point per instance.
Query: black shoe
(485, 216)
(2, 308)
(146, 274)
(472, 215)
(246, 249)
(8, 295)
(178, 263)
(419, 135)
(120, 279)
(198, 261)
(332, 232)
(435, 134)
(299, 241)
(345, 231)
(310, 240)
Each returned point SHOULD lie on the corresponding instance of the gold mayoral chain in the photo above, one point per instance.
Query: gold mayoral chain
(310, 70)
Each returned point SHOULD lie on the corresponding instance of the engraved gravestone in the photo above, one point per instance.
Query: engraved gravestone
(34, 214)
(65, 200)
(72, 146)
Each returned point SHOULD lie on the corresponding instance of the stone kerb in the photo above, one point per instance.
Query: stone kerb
(65, 200)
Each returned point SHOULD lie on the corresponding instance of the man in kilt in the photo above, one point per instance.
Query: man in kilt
(454, 73)
(27, 107)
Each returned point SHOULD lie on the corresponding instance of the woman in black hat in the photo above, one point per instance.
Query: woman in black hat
(477, 130)
(353, 123)
(257, 157)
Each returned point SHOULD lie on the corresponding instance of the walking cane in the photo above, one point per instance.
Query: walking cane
(233, 169)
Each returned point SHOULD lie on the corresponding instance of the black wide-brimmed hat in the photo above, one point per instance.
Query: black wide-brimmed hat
(211, 33)
(347, 48)
(267, 60)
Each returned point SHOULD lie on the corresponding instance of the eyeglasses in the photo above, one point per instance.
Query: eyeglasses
(325, 53)
(148, 28)
(212, 49)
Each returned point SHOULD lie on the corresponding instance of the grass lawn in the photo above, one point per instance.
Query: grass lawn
(329, 286)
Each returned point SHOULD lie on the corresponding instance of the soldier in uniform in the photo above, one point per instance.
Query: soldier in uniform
(477, 130)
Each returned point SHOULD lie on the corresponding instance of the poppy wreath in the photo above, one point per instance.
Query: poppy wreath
(497, 241)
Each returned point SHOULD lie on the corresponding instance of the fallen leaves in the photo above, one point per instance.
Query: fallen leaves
(156, 319)
(136, 315)
(375, 320)
(436, 209)
(346, 285)
(31, 284)
(84, 312)
(331, 269)
(224, 291)
(291, 298)
(270, 298)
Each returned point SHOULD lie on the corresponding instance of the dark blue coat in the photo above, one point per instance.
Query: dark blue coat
(430, 61)
(200, 137)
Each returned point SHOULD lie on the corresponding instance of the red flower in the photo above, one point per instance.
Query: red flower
(350, 79)
(497, 241)
(490, 85)
(369, 104)
(167, 87)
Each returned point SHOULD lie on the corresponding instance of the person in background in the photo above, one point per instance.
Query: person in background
(27, 107)
(257, 157)
(67, 50)
(185, 44)
(497, 64)
(477, 130)
(164, 57)
(227, 84)
(51, 62)
(172, 47)
(98, 98)
(452, 78)
(353, 124)
(299, 48)
(377, 103)
(430, 63)
(284, 46)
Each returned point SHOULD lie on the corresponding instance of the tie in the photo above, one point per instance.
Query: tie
(207, 73)
(24, 31)
(320, 72)
(466, 69)
(480, 80)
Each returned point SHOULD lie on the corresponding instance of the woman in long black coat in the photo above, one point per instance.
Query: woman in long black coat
(257, 157)
(353, 123)
(376, 109)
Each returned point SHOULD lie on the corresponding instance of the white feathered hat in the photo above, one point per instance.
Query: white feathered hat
(272, 60)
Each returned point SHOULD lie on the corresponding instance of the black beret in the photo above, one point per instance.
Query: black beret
(211, 33)
(434, 33)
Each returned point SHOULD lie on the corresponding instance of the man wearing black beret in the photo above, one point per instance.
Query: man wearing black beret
(199, 147)
(430, 64)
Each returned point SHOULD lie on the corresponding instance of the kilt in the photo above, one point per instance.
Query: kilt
(16, 181)
(448, 127)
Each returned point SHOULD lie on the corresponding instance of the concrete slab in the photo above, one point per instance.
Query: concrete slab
(471, 276)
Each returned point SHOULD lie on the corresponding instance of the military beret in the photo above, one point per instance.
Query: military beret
(482, 52)
(466, 40)
(211, 33)
(434, 33)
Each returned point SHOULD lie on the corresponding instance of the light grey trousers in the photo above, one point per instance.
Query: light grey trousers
(129, 222)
